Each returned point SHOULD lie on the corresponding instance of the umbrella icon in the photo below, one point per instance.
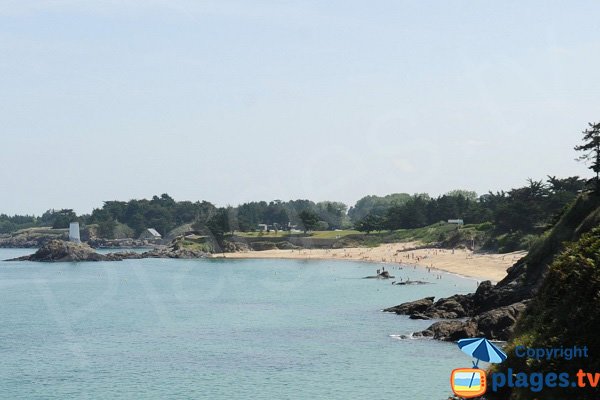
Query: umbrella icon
(483, 350)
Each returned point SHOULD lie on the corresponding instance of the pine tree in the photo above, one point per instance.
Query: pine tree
(591, 150)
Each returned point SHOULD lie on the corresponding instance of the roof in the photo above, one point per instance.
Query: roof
(153, 232)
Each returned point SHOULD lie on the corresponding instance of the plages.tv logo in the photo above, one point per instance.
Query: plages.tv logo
(471, 382)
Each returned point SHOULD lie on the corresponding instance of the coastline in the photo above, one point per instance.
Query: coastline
(484, 266)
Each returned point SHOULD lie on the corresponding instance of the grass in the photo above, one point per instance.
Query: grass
(314, 234)
(197, 245)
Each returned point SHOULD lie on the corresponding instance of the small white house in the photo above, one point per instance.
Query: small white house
(262, 227)
(456, 221)
(150, 234)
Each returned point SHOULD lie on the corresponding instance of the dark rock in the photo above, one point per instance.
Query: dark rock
(494, 324)
(229, 246)
(456, 306)
(261, 246)
(60, 250)
(451, 330)
(173, 252)
(405, 283)
(382, 275)
(412, 307)
(287, 246)
(418, 316)
(422, 334)
(499, 323)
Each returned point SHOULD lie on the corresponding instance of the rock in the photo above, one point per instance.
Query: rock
(451, 330)
(495, 324)
(229, 246)
(382, 275)
(452, 307)
(173, 252)
(412, 307)
(261, 246)
(499, 323)
(456, 306)
(418, 316)
(285, 245)
(422, 334)
(404, 283)
(60, 250)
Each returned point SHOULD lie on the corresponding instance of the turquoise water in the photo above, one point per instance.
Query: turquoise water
(216, 329)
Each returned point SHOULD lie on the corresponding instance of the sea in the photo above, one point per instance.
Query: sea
(218, 329)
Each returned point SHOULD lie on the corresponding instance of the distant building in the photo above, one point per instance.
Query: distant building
(150, 234)
(456, 221)
(262, 227)
(74, 232)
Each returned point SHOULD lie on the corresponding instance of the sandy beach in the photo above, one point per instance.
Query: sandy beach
(463, 262)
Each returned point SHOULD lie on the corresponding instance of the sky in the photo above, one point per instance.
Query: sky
(235, 101)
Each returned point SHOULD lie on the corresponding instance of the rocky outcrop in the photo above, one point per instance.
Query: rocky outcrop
(482, 319)
(261, 246)
(234, 246)
(60, 250)
(412, 307)
(40, 236)
(173, 253)
(381, 275)
(496, 324)
(33, 237)
(118, 243)
(287, 246)
(449, 330)
(408, 283)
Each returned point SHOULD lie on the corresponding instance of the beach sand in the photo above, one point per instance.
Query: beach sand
(460, 261)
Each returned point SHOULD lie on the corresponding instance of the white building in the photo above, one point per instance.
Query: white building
(74, 232)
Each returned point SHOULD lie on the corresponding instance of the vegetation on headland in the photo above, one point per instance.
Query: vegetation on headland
(564, 311)
(503, 221)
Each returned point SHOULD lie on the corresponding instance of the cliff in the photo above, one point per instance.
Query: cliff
(564, 313)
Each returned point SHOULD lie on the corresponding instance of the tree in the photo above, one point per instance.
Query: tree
(218, 224)
(591, 150)
(467, 194)
(375, 205)
(310, 220)
(62, 218)
(106, 228)
(369, 223)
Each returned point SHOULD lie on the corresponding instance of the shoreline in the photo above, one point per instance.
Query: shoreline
(479, 266)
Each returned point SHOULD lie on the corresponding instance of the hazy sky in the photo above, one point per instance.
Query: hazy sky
(232, 101)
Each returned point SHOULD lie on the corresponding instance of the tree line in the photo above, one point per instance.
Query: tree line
(527, 209)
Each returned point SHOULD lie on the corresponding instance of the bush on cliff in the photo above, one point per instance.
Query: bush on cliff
(564, 313)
